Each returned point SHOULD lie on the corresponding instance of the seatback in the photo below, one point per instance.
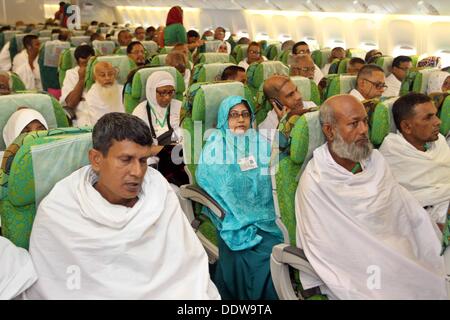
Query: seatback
(25, 177)
(134, 92)
(240, 52)
(342, 68)
(66, 61)
(355, 53)
(78, 33)
(159, 60)
(272, 50)
(215, 57)
(257, 73)
(121, 51)
(305, 137)
(45, 33)
(18, 39)
(17, 83)
(122, 63)
(340, 84)
(48, 106)
(209, 72)
(49, 56)
(334, 67)
(321, 56)
(379, 114)
(421, 80)
(442, 102)
(206, 101)
(43, 40)
(79, 40)
(6, 36)
(165, 50)
(151, 47)
(385, 63)
(104, 48)
(210, 46)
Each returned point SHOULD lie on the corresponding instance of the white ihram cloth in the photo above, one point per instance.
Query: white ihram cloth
(149, 251)
(89, 111)
(425, 174)
(16, 270)
(30, 77)
(357, 229)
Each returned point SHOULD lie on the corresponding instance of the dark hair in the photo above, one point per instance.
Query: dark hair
(193, 33)
(298, 44)
(254, 44)
(94, 23)
(62, 3)
(119, 126)
(121, 32)
(400, 59)
(83, 51)
(221, 29)
(230, 73)
(356, 60)
(367, 71)
(150, 29)
(131, 46)
(95, 36)
(403, 108)
(140, 27)
(28, 40)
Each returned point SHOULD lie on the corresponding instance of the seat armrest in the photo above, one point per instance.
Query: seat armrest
(294, 257)
(197, 194)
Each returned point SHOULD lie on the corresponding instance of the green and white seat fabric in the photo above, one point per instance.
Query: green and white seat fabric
(49, 58)
(78, 41)
(45, 104)
(339, 84)
(199, 117)
(166, 50)
(210, 46)
(240, 52)
(134, 92)
(342, 68)
(385, 62)
(104, 48)
(122, 63)
(121, 51)
(305, 136)
(422, 78)
(272, 50)
(215, 57)
(355, 53)
(151, 48)
(159, 60)
(257, 73)
(321, 56)
(66, 61)
(25, 178)
(45, 33)
(17, 83)
(209, 72)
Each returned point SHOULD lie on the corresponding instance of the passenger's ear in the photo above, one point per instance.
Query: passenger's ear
(405, 127)
(95, 158)
(328, 131)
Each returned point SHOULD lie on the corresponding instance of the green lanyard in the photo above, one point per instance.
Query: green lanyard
(161, 124)
(356, 168)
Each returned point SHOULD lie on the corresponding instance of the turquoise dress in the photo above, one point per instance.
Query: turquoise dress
(248, 231)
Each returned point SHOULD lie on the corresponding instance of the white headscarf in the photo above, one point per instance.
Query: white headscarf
(227, 44)
(18, 121)
(436, 81)
(156, 80)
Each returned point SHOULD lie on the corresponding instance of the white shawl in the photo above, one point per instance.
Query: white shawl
(86, 248)
(16, 270)
(365, 235)
(425, 174)
(18, 121)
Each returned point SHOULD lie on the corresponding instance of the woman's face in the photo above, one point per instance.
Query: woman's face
(239, 119)
(164, 95)
(223, 48)
(34, 125)
(253, 54)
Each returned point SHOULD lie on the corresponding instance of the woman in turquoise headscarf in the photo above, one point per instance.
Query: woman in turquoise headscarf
(234, 170)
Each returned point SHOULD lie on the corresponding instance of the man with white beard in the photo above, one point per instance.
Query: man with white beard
(105, 95)
(365, 235)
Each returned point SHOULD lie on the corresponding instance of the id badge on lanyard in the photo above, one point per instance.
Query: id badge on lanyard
(248, 163)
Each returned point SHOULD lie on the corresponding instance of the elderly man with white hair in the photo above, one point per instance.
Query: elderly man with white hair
(103, 97)
(365, 235)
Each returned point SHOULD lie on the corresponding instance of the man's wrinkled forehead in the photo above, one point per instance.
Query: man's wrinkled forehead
(103, 67)
(347, 107)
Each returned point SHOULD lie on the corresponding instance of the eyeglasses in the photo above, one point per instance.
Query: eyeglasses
(236, 115)
(254, 52)
(165, 93)
(303, 51)
(138, 52)
(378, 85)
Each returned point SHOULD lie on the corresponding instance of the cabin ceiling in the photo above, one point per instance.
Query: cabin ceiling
(441, 7)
